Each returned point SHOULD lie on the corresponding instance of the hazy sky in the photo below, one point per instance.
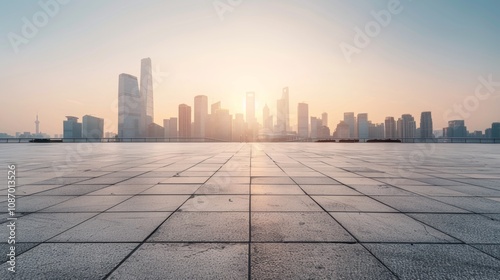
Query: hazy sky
(427, 58)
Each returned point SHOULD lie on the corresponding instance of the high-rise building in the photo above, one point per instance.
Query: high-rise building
(129, 107)
(156, 131)
(316, 125)
(390, 128)
(214, 108)
(170, 128)
(351, 121)
(283, 113)
(147, 113)
(495, 130)
(267, 119)
(362, 126)
(456, 128)
(343, 130)
(223, 127)
(376, 130)
(303, 120)
(426, 129)
(184, 121)
(406, 128)
(37, 125)
(92, 127)
(324, 119)
(72, 128)
(200, 116)
(238, 128)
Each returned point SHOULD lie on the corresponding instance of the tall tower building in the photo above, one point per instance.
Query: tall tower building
(184, 121)
(324, 119)
(407, 127)
(351, 121)
(200, 116)
(267, 120)
(390, 128)
(37, 125)
(283, 115)
(129, 107)
(426, 130)
(363, 127)
(303, 120)
(146, 90)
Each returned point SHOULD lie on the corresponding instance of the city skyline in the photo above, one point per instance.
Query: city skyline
(71, 66)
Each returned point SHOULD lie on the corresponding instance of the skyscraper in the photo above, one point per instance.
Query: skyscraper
(351, 121)
(303, 120)
(362, 126)
(426, 130)
(283, 113)
(406, 128)
(343, 131)
(170, 128)
(200, 116)
(267, 119)
(92, 127)
(315, 127)
(495, 130)
(129, 107)
(184, 121)
(390, 128)
(147, 113)
(456, 128)
(324, 119)
(238, 130)
(72, 128)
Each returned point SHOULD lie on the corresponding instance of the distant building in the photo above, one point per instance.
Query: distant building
(37, 125)
(170, 128)
(93, 127)
(456, 128)
(267, 119)
(343, 130)
(129, 107)
(406, 127)
(239, 128)
(155, 131)
(303, 120)
(375, 130)
(200, 116)
(283, 113)
(323, 132)
(72, 128)
(223, 127)
(184, 121)
(495, 130)
(324, 119)
(426, 125)
(315, 127)
(350, 120)
(362, 126)
(487, 133)
(146, 92)
(390, 128)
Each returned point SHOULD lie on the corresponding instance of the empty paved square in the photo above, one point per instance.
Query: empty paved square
(254, 211)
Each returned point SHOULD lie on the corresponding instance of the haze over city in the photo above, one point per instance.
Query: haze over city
(429, 57)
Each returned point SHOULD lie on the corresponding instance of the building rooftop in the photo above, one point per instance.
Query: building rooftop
(259, 211)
